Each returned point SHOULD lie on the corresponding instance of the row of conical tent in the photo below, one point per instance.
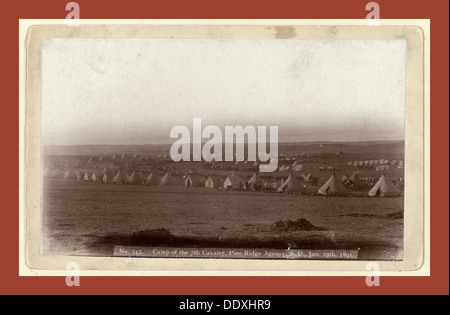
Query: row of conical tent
(383, 188)
(333, 187)
(112, 176)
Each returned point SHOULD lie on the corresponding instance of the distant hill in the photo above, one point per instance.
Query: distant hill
(389, 147)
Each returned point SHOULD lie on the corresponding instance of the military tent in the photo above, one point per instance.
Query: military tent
(384, 188)
(193, 180)
(333, 187)
(97, 176)
(355, 180)
(69, 175)
(120, 178)
(291, 185)
(233, 181)
(255, 182)
(214, 182)
(136, 178)
(108, 175)
(87, 176)
(57, 173)
(151, 179)
(169, 180)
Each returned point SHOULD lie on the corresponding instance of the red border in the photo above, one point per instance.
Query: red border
(437, 11)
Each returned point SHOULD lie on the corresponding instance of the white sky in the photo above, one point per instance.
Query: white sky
(133, 91)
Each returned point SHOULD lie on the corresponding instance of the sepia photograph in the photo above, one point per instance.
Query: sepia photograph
(224, 147)
(205, 148)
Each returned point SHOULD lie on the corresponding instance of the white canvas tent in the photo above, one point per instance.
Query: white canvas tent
(291, 185)
(120, 178)
(193, 180)
(255, 182)
(233, 181)
(136, 178)
(333, 187)
(151, 179)
(214, 182)
(169, 180)
(384, 188)
(69, 175)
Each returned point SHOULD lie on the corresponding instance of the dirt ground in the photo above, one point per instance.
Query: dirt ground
(78, 216)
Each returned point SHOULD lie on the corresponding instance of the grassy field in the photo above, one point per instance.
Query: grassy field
(87, 218)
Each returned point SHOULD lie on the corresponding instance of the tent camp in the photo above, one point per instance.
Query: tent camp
(151, 179)
(136, 178)
(120, 178)
(291, 184)
(193, 180)
(384, 188)
(255, 182)
(214, 182)
(333, 187)
(169, 180)
(233, 181)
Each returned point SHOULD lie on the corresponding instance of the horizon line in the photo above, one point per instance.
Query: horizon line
(284, 142)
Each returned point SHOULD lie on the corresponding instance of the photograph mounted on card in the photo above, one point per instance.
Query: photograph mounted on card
(240, 147)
